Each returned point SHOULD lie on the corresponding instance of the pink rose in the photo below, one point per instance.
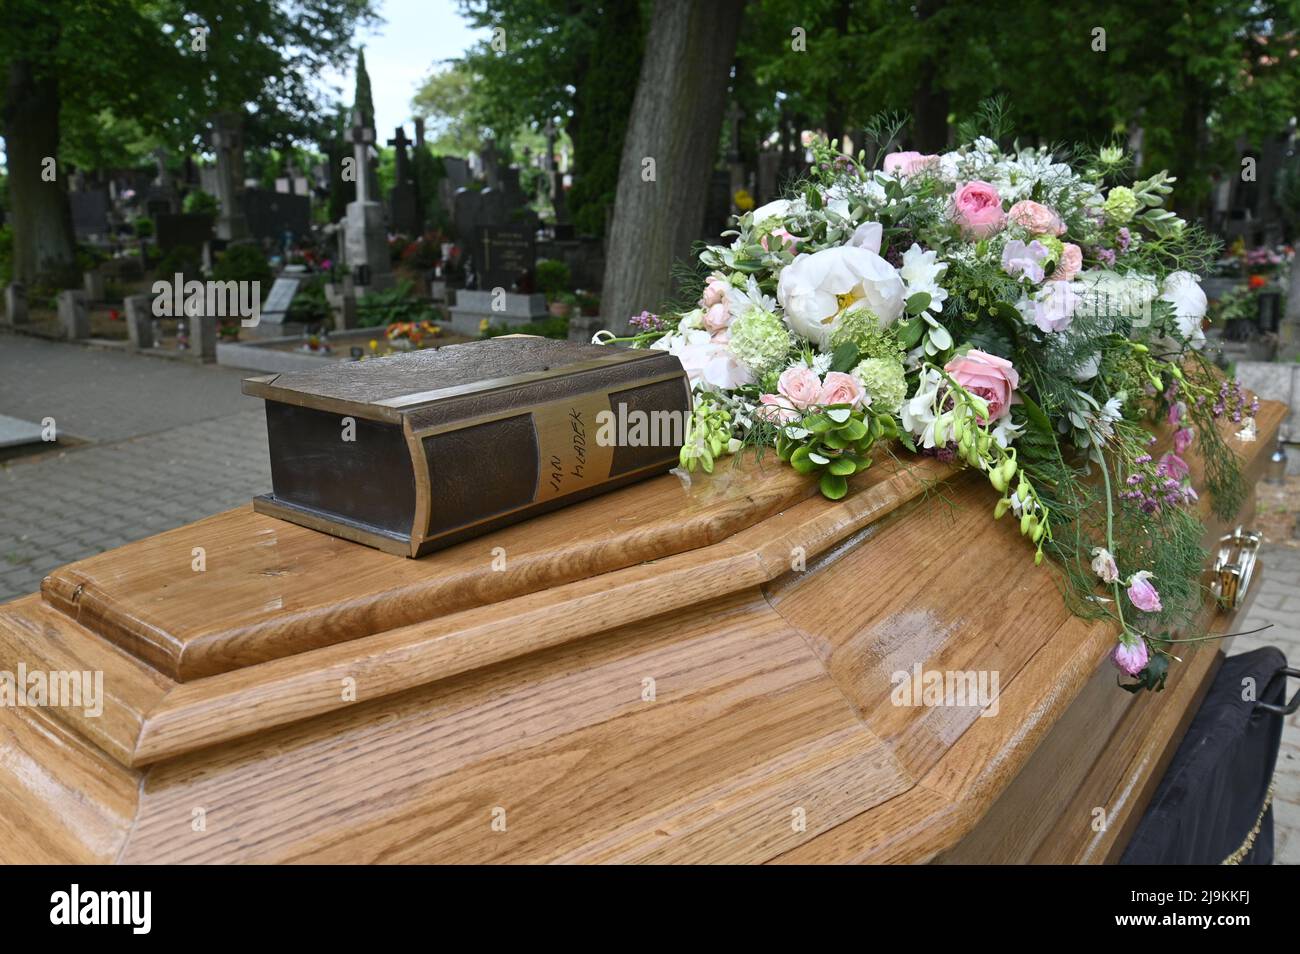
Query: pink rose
(1070, 264)
(800, 386)
(716, 292)
(1183, 440)
(908, 163)
(841, 388)
(787, 241)
(977, 209)
(1143, 594)
(1036, 217)
(987, 376)
(717, 318)
(1130, 659)
(775, 410)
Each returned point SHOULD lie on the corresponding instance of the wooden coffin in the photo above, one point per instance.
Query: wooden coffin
(666, 673)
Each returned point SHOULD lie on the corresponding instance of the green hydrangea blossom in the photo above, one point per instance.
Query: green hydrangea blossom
(760, 340)
(862, 328)
(1121, 205)
(884, 380)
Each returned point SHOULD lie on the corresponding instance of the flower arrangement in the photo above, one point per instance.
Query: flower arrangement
(411, 334)
(1029, 317)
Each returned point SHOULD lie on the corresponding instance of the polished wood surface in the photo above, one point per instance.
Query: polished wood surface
(695, 674)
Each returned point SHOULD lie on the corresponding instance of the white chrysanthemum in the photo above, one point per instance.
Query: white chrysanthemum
(741, 301)
(816, 289)
(921, 272)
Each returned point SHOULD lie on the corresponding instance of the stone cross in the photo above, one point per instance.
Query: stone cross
(363, 137)
(399, 143)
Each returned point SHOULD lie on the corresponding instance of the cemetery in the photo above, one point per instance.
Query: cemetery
(652, 431)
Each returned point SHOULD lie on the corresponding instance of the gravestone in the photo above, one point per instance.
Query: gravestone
(270, 214)
(15, 305)
(228, 145)
(275, 310)
(509, 257)
(93, 282)
(365, 234)
(73, 317)
(403, 198)
(174, 230)
(203, 337)
(89, 212)
(498, 308)
(139, 321)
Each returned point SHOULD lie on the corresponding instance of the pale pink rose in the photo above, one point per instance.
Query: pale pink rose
(1142, 593)
(717, 317)
(1183, 439)
(775, 410)
(977, 209)
(1070, 264)
(841, 388)
(1130, 659)
(987, 376)
(1036, 217)
(715, 292)
(800, 386)
(785, 240)
(908, 163)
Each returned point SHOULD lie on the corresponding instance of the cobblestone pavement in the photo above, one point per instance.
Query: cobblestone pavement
(1278, 602)
(171, 441)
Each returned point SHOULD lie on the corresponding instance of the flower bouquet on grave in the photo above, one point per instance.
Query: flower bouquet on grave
(1028, 316)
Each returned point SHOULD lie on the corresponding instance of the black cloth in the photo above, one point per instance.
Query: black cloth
(1210, 798)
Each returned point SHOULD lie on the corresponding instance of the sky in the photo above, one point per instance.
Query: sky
(403, 50)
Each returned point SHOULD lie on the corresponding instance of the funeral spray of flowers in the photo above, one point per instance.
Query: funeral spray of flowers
(1029, 317)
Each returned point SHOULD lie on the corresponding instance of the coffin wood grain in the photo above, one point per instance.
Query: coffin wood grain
(760, 710)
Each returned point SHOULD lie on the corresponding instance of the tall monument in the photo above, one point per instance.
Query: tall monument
(365, 235)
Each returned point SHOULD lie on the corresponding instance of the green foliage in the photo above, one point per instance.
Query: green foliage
(833, 443)
(183, 259)
(545, 328)
(310, 305)
(392, 305)
(199, 202)
(552, 277)
(243, 263)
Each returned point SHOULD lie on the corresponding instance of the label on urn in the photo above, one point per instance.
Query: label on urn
(570, 458)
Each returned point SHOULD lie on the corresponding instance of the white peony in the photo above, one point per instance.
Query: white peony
(868, 236)
(776, 209)
(1182, 290)
(816, 289)
(709, 363)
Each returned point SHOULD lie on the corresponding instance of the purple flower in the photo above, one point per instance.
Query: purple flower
(1024, 261)
(1106, 256)
(1143, 594)
(1183, 440)
(1125, 239)
(1172, 467)
(1130, 659)
(1176, 412)
(1103, 564)
(1051, 308)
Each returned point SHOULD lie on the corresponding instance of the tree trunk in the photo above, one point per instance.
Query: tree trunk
(930, 101)
(676, 119)
(44, 246)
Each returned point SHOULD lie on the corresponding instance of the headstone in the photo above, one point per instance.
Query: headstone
(15, 432)
(270, 214)
(506, 309)
(403, 199)
(15, 305)
(203, 337)
(275, 309)
(173, 230)
(365, 234)
(94, 285)
(227, 143)
(89, 212)
(73, 317)
(139, 321)
(509, 256)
